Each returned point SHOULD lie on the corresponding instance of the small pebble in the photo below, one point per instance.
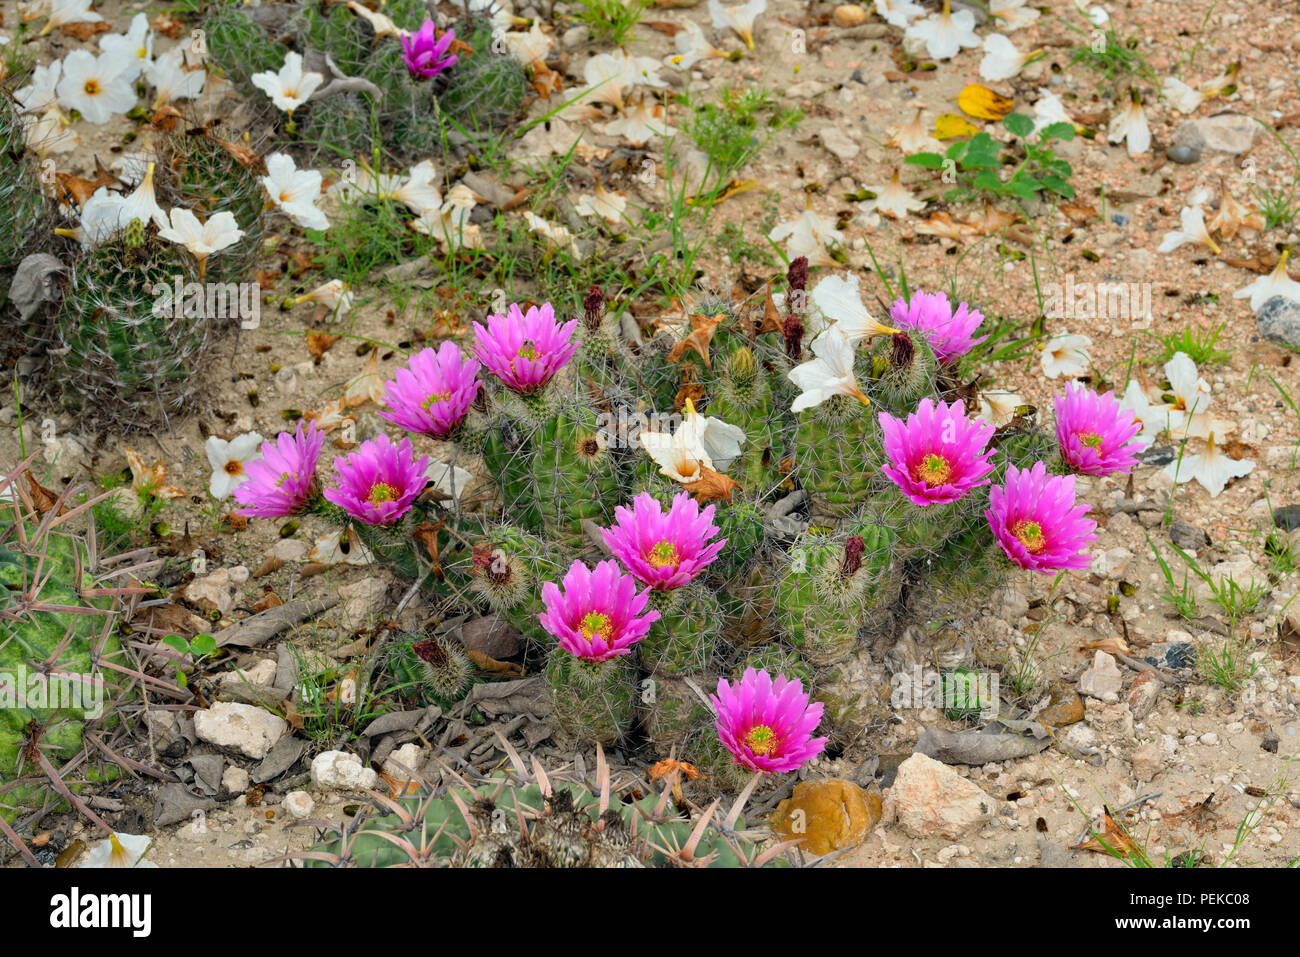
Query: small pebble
(1184, 154)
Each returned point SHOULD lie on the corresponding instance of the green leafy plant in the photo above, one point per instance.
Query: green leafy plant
(976, 164)
(200, 646)
(1198, 344)
(611, 21)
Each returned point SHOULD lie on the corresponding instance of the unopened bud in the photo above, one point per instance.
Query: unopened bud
(852, 556)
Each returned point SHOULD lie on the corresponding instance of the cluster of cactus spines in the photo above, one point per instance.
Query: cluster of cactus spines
(27, 215)
(432, 666)
(238, 44)
(592, 701)
(686, 638)
(573, 476)
(64, 602)
(526, 817)
(113, 354)
(409, 118)
(836, 447)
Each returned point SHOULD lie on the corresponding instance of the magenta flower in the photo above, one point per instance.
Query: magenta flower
(663, 550)
(425, 52)
(598, 614)
(379, 481)
(1095, 435)
(1035, 520)
(938, 455)
(949, 333)
(432, 396)
(767, 725)
(282, 481)
(525, 349)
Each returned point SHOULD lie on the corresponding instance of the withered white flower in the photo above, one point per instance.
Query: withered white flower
(944, 33)
(828, 373)
(893, 199)
(171, 80)
(739, 19)
(382, 25)
(1013, 14)
(1181, 97)
(998, 406)
(40, 92)
(333, 295)
(1276, 283)
(1049, 109)
(698, 443)
(1130, 127)
(418, 190)
(641, 119)
(1211, 467)
(558, 236)
(692, 47)
(898, 13)
(1066, 355)
(1193, 231)
(808, 235)
(1001, 59)
(914, 136)
(529, 47)
(289, 87)
(1152, 418)
(608, 205)
(838, 301)
(120, 850)
(611, 76)
(68, 11)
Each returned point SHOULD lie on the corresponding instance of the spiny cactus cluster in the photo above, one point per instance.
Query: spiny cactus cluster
(107, 345)
(647, 558)
(529, 818)
(406, 116)
(27, 215)
(61, 661)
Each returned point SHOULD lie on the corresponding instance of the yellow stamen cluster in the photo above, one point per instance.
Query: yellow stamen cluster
(1030, 535)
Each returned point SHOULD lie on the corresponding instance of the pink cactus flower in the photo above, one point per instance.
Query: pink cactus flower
(379, 481)
(282, 481)
(1036, 521)
(525, 349)
(597, 616)
(767, 725)
(948, 332)
(434, 393)
(938, 455)
(663, 550)
(1095, 435)
(425, 52)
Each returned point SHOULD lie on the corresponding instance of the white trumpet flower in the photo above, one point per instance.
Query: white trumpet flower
(290, 87)
(1276, 283)
(1130, 127)
(1066, 355)
(294, 191)
(828, 373)
(1193, 231)
(944, 33)
(135, 47)
(95, 86)
(739, 19)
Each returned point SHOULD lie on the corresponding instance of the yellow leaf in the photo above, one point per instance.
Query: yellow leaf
(951, 125)
(982, 103)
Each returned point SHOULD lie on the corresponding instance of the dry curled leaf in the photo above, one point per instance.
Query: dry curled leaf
(1113, 839)
(485, 663)
(42, 498)
(273, 563)
(701, 334)
(85, 30)
(268, 601)
(427, 534)
(1114, 645)
(318, 343)
(234, 521)
(693, 391)
(168, 26)
(149, 479)
(713, 487)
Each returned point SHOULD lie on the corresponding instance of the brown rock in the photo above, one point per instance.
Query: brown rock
(1146, 761)
(1143, 694)
(849, 15)
(829, 814)
(492, 635)
(1065, 708)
